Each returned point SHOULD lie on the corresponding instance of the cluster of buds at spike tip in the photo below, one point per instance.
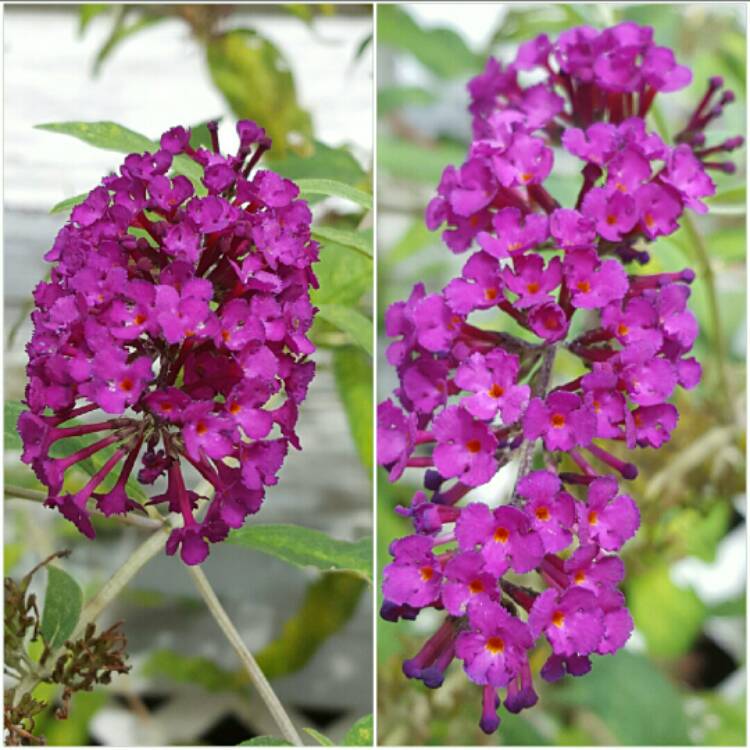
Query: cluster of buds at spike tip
(470, 400)
(180, 310)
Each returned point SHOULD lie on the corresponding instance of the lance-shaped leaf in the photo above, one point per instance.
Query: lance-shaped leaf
(305, 547)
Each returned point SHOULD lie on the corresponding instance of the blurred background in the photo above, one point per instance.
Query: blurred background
(682, 678)
(305, 73)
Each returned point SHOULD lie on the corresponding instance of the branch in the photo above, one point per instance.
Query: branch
(539, 389)
(248, 660)
(22, 493)
(95, 606)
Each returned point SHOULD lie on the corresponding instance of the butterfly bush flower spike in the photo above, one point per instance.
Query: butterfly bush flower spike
(543, 564)
(181, 312)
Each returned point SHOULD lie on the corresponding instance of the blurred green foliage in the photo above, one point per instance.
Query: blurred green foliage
(675, 686)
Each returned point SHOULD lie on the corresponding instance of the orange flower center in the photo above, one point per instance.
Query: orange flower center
(532, 287)
(593, 517)
(558, 421)
(426, 573)
(473, 446)
(583, 286)
(611, 220)
(558, 619)
(501, 535)
(495, 645)
(139, 319)
(235, 408)
(201, 428)
(622, 329)
(579, 577)
(496, 391)
(476, 586)
(542, 513)
(126, 384)
(490, 294)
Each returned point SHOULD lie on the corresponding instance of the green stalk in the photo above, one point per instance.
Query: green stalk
(255, 673)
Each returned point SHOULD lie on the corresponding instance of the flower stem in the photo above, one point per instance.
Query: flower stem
(255, 673)
(22, 493)
(703, 258)
(541, 383)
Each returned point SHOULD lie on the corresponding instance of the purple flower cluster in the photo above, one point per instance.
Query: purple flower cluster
(182, 314)
(470, 400)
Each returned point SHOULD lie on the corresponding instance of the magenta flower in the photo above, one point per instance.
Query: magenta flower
(505, 536)
(552, 512)
(494, 649)
(531, 281)
(414, 576)
(562, 421)
(465, 447)
(492, 380)
(478, 396)
(615, 213)
(593, 283)
(513, 233)
(549, 322)
(572, 621)
(171, 333)
(466, 580)
(479, 287)
(607, 519)
(396, 435)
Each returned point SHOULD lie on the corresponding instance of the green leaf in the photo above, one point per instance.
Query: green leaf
(110, 136)
(723, 722)
(257, 82)
(333, 188)
(105, 134)
(621, 687)
(359, 241)
(12, 411)
(361, 733)
(417, 163)
(732, 201)
(87, 12)
(68, 204)
(304, 547)
(699, 533)
(415, 238)
(736, 607)
(441, 50)
(324, 162)
(121, 31)
(669, 617)
(62, 607)
(396, 97)
(193, 670)
(319, 737)
(200, 136)
(344, 276)
(266, 740)
(329, 603)
(74, 731)
(353, 372)
(351, 322)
